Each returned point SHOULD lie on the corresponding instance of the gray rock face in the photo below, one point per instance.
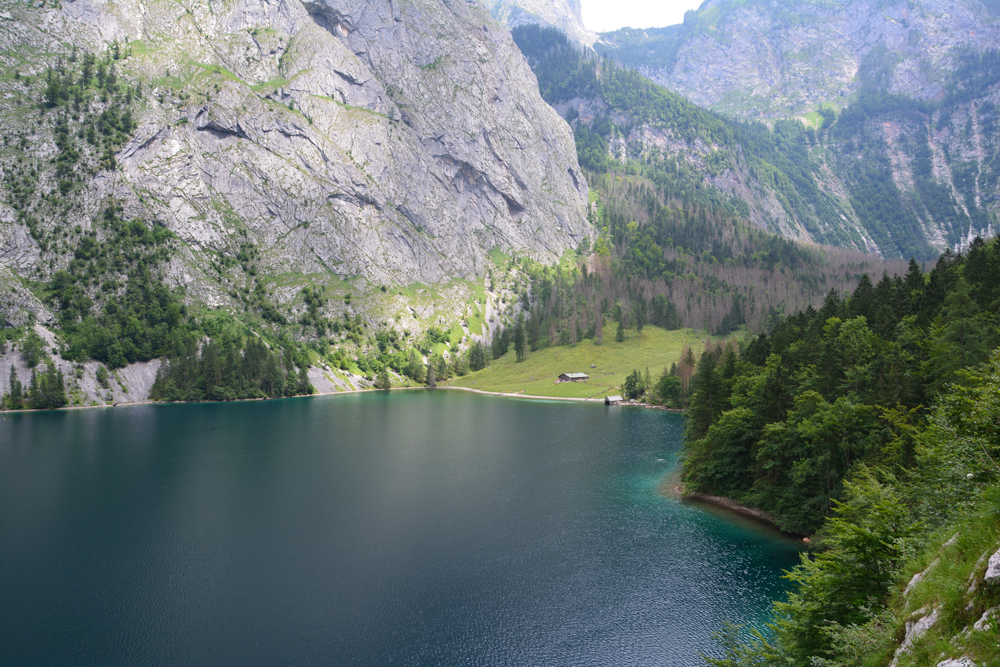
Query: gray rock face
(914, 631)
(763, 59)
(400, 142)
(957, 662)
(17, 304)
(567, 15)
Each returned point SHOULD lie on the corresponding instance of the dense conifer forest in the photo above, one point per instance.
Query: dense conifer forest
(873, 421)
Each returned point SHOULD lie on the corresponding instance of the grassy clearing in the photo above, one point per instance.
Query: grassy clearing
(536, 375)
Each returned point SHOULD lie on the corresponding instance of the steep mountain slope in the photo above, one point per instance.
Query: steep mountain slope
(745, 168)
(890, 174)
(397, 143)
(767, 59)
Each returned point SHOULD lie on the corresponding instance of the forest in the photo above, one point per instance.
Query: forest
(871, 422)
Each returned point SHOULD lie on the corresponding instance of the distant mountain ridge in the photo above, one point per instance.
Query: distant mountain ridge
(566, 15)
(760, 59)
(889, 174)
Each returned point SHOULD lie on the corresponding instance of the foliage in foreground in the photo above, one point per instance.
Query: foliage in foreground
(939, 517)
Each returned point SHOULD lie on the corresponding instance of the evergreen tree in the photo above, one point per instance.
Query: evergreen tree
(957, 341)
(382, 380)
(304, 387)
(15, 395)
(632, 386)
(478, 357)
(416, 369)
(709, 397)
(520, 342)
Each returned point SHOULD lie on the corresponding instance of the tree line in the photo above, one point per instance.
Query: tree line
(780, 424)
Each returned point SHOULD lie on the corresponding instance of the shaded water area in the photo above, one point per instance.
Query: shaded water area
(417, 528)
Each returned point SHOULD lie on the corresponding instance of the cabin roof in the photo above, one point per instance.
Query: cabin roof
(575, 376)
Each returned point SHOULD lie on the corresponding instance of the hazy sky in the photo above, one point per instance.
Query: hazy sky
(604, 15)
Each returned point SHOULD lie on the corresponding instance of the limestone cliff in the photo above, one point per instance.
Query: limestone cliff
(399, 142)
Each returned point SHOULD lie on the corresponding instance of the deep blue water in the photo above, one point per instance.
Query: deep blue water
(418, 528)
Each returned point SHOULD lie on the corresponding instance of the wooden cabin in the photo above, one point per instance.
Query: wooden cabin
(612, 400)
(573, 377)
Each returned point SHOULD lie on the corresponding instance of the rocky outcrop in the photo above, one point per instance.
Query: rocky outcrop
(398, 142)
(957, 662)
(993, 568)
(915, 629)
(18, 306)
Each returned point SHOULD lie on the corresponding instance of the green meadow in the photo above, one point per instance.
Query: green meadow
(654, 349)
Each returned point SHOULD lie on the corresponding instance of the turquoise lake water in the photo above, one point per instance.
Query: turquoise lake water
(417, 528)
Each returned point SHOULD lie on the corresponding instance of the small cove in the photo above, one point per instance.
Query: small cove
(417, 528)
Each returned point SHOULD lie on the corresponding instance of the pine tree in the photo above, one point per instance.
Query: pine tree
(305, 386)
(416, 369)
(16, 391)
(33, 389)
(382, 380)
(519, 340)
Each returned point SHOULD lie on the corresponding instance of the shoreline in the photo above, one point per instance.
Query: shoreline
(356, 391)
(559, 398)
(672, 487)
(235, 400)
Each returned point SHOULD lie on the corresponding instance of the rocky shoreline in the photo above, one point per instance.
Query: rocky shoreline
(731, 505)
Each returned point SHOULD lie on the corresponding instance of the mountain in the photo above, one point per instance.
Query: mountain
(396, 143)
(757, 59)
(288, 180)
(890, 174)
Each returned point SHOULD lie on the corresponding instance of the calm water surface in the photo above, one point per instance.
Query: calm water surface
(421, 528)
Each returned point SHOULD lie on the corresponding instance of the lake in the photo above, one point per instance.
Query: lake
(418, 528)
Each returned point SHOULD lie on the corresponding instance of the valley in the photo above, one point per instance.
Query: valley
(779, 218)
